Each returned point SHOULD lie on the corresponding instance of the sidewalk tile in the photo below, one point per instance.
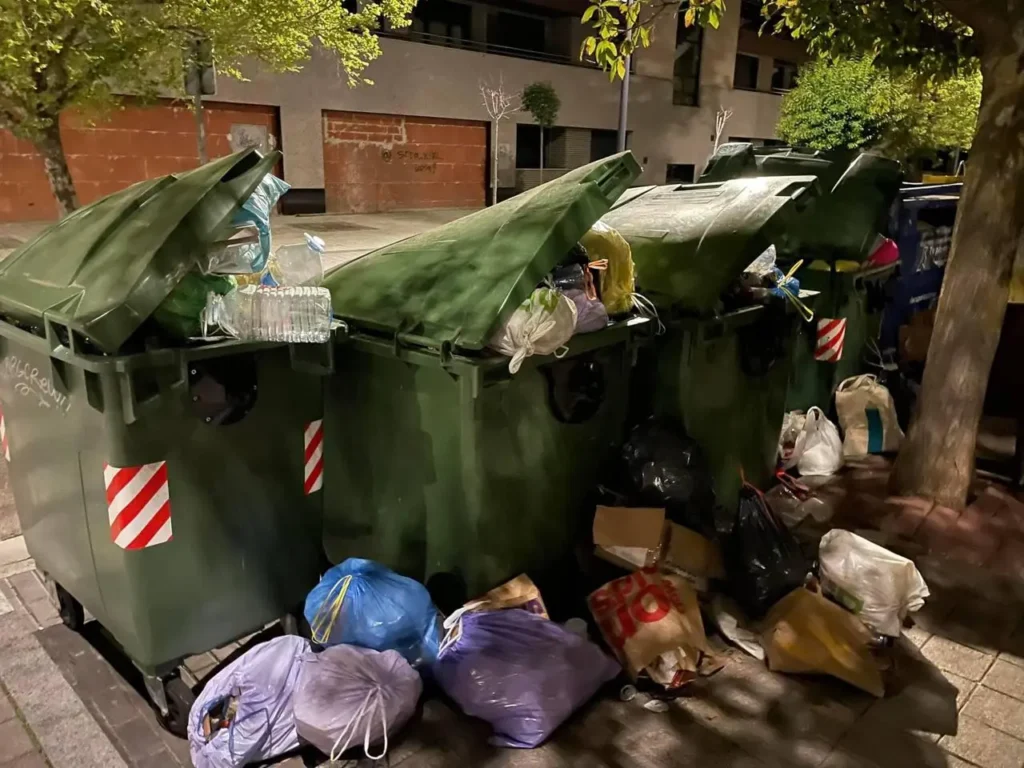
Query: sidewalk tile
(31, 760)
(958, 659)
(1006, 678)
(6, 709)
(983, 745)
(997, 710)
(14, 741)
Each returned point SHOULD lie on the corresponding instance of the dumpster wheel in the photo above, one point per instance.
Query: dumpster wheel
(179, 703)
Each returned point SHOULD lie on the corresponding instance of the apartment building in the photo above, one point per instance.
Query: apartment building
(420, 137)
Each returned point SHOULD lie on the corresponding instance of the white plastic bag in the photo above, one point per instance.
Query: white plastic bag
(541, 325)
(817, 448)
(867, 415)
(878, 586)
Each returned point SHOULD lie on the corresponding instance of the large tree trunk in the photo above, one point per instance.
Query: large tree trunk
(937, 459)
(56, 164)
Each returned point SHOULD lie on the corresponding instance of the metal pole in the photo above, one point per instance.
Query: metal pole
(624, 95)
(197, 108)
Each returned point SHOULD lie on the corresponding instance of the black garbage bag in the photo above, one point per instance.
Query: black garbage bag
(762, 558)
(668, 469)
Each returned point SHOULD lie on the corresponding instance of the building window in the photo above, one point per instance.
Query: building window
(604, 144)
(746, 73)
(757, 142)
(686, 70)
(441, 21)
(783, 75)
(528, 146)
(516, 31)
(680, 173)
(750, 14)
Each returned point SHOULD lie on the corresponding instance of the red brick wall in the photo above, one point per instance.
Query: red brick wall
(390, 162)
(133, 144)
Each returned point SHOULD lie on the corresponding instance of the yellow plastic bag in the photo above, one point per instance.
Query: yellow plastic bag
(618, 282)
(807, 633)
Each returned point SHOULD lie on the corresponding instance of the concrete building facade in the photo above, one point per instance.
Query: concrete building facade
(420, 137)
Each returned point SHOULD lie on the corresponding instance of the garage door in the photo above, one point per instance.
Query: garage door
(134, 144)
(394, 162)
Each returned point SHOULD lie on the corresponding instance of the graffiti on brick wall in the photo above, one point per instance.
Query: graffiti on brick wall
(422, 162)
(243, 136)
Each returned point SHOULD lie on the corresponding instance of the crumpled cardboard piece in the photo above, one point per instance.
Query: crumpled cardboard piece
(652, 622)
(630, 537)
(807, 633)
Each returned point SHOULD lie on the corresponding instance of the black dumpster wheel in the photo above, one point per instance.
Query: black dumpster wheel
(71, 611)
(179, 703)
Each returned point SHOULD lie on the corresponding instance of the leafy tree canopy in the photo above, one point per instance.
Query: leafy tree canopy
(541, 101)
(854, 103)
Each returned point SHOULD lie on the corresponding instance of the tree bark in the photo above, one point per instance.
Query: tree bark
(937, 459)
(56, 164)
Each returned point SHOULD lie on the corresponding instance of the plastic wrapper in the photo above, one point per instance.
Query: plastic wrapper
(878, 586)
(181, 312)
(762, 559)
(256, 211)
(569, 277)
(245, 714)
(519, 672)
(590, 313)
(541, 325)
(354, 697)
(296, 265)
(668, 469)
(808, 634)
(816, 447)
(618, 281)
(362, 603)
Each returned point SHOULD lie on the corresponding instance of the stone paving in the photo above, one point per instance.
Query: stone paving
(955, 686)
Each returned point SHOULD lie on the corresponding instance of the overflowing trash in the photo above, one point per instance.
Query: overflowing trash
(867, 415)
(878, 586)
(541, 325)
(810, 443)
(362, 603)
(245, 713)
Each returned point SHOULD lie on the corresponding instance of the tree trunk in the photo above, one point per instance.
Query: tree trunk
(542, 154)
(56, 165)
(494, 165)
(937, 459)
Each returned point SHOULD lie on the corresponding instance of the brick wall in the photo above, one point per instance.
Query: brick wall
(392, 162)
(132, 144)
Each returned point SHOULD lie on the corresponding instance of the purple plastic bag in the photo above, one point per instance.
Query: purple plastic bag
(349, 696)
(591, 314)
(521, 673)
(262, 682)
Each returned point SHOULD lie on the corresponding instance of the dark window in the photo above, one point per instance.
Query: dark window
(603, 144)
(783, 75)
(679, 173)
(516, 31)
(686, 70)
(750, 14)
(745, 76)
(528, 146)
(438, 20)
(757, 142)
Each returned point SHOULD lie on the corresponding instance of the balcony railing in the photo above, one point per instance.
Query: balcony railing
(484, 47)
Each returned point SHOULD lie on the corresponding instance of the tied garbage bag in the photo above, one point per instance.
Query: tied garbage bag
(876, 585)
(347, 696)
(362, 603)
(590, 313)
(867, 415)
(817, 448)
(618, 281)
(763, 560)
(668, 469)
(519, 672)
(245, 714)
(541, 325)
(807, 633)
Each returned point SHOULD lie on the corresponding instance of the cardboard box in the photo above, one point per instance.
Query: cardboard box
(632, 538)
(693, 556)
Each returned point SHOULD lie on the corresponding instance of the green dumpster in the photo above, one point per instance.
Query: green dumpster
(438, 462)
(162, 488)
(721, 375)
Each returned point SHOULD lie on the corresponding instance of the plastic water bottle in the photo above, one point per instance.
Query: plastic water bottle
(301, 264)
(262, 313)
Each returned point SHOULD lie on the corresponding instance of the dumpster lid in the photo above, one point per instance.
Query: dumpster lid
(98, 273)
(690, 241)
(458, 282)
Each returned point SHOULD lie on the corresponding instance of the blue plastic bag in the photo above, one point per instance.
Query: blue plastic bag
(256, 211)
(520, 672)
(362, 603)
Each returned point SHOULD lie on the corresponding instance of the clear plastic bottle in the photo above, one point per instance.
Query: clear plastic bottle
(301, 264)
(262, 313)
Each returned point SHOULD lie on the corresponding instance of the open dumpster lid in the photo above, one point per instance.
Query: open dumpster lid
(101, 271)
(690, 241)
(458, 282)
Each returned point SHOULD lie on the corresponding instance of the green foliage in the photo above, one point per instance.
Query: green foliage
(56, 54)
(541, 101)
(853, 103)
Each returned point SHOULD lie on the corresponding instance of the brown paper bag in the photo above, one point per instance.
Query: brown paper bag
(520, 592)
(652, 621)
(807, 633)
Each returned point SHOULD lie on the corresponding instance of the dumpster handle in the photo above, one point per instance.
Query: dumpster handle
(303, 363)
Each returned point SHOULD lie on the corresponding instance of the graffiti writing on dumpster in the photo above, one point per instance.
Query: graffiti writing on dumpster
(28, 382)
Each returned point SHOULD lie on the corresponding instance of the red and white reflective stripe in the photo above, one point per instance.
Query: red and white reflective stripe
(4, 445)
(831, 336)
(314, 450)
(139, 505)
